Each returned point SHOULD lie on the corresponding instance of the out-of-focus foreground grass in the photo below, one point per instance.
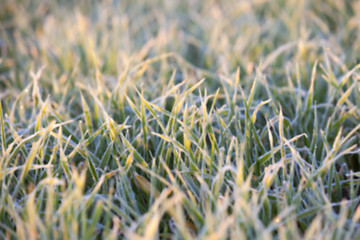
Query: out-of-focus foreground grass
(179, 119)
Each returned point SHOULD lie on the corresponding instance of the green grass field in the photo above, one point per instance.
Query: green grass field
(176, 119)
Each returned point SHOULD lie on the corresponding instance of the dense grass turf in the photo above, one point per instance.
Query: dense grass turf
(179, 119)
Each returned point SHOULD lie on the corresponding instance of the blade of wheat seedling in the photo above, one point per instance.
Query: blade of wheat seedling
(106, 157)
(86, 113)
(310, 96)
(3, 139)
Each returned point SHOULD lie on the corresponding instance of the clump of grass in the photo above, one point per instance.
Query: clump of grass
(179, 120)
